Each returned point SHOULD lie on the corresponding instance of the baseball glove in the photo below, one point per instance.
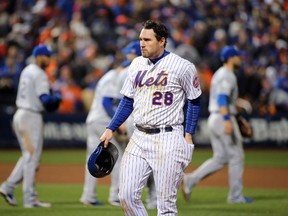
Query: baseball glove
(56, 99)
(245, 128)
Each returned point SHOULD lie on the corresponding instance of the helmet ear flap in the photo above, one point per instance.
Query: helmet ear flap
(101, 162)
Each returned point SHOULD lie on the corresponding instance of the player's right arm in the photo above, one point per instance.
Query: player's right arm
(123, 111)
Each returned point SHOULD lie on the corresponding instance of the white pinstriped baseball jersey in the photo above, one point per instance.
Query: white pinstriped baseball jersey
(164, 81)
(223, 82)
(33, 83)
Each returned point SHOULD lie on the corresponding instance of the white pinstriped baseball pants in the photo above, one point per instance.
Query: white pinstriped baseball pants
(166, 155)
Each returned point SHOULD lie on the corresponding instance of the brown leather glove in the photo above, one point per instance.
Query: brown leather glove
(244, 126)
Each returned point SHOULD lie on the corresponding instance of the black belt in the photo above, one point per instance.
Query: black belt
(154, 130)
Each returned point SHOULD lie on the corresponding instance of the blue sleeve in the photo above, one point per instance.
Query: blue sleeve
(107, 103)
(193, 110)
(51, 102)
(222, 100)
(123, 111)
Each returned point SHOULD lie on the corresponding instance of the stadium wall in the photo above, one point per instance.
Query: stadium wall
(65, 131)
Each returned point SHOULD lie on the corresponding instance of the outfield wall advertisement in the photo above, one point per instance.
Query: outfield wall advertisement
(66, 131)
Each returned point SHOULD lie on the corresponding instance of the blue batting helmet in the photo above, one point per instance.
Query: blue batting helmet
(102, 160)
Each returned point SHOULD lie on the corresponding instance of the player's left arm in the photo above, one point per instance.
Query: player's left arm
(193, 110)
(191, 86)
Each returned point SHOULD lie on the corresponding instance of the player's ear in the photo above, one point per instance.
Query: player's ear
(162, 41)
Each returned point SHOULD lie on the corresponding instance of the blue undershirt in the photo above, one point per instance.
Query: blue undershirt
(193, 110)
(154, 61)
(107, 103)
(123, 111)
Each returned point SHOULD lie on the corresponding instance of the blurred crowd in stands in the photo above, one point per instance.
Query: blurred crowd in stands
(87, 36)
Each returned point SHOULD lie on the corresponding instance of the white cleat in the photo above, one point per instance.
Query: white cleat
(91, 203)
(38, 204)
(10, 199)
(242, 200)
(114, 202)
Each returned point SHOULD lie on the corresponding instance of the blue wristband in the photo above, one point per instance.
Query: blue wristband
(226, 117)
(222, 100)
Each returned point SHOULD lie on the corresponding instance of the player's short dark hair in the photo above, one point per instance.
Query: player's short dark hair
(159, 28)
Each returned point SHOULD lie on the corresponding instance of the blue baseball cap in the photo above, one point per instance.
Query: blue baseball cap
(41, 49)
(229, 52)
(133, 48)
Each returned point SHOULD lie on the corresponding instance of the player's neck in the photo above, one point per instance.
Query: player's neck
(155, 60)
(229, 66)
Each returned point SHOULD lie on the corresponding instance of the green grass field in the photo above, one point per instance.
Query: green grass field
(206, 201)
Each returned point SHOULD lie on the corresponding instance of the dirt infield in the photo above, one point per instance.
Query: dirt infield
(74, 174)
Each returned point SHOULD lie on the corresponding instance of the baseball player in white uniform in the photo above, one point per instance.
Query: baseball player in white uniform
(33, 97)
(224, 132)
(156, 89)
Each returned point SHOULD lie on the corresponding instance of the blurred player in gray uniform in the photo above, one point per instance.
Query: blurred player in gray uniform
(33, 98)
(224, 132)
(156, 89)
(106, 97)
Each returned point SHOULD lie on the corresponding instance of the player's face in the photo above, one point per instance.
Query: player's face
(44, 61)
(150, 46)
(237, 61)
